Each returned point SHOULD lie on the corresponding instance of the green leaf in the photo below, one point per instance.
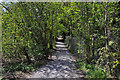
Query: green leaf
(110, 43)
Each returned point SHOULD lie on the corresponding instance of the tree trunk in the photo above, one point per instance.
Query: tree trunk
(106, 44)
(93, 47)
(26, 54)
(51, 33)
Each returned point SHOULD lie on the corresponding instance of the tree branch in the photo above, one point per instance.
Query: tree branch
(6, 8)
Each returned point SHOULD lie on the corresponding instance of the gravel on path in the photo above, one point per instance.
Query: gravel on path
(61, 66)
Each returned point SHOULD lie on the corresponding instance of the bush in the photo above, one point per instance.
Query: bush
(91, 70)
(96, 73)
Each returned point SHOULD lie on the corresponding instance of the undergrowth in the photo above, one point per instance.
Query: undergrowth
(92, 70)
(19, 67)
(23, 66)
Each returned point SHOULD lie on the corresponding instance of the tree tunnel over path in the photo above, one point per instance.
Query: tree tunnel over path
(30, 30)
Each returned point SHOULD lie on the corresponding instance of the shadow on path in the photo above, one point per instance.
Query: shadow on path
(62, 66)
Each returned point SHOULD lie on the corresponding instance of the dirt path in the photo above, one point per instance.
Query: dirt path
(62, 66)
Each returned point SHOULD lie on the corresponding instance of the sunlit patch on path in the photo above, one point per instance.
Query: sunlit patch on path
(62, 66)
